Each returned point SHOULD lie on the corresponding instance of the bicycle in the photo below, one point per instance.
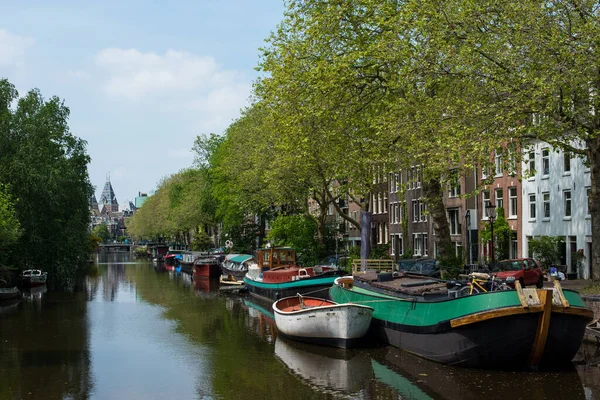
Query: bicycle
(480, 282)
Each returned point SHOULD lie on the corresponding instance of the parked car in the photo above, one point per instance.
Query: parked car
(525, 270)
(406, 264)
(425, 266)
(333, 260)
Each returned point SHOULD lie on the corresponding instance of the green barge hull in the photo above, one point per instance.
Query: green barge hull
(487, 330)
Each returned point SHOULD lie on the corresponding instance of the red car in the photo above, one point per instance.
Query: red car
(525, 270)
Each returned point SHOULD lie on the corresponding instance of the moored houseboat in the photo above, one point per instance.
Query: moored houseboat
(207, 268)
(33, 277)
(275, 275)
(499, 329)
(236, 265)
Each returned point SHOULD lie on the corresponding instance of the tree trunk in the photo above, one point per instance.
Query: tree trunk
(261, 230)
(432, 189)
(365, 237)
(593, 147)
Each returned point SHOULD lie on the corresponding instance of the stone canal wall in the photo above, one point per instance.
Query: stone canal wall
(593, 303)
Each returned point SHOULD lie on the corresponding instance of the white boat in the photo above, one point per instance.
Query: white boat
(33, 277)
(315, 320)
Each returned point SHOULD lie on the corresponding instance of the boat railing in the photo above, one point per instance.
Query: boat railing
(363, 265)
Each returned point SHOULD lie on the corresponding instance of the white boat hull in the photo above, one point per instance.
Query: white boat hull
(339, 325)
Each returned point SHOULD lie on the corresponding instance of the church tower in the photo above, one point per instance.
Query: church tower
(94, 205)
(108, 200)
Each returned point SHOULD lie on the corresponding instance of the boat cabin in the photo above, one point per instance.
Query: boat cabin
(275, 257)
(28, 273)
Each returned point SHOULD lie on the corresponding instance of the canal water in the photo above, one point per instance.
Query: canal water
(135, 332)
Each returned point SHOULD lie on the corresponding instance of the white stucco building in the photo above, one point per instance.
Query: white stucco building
(555, 202)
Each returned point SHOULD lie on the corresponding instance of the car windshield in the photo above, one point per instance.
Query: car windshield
(331, 260)
(424, 267)
(510, 265)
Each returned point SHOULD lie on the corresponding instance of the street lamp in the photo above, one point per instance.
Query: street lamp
(490, 212)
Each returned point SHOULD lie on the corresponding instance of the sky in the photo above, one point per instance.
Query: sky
(142, 78)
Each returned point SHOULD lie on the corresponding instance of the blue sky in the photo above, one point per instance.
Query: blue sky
(142, 78)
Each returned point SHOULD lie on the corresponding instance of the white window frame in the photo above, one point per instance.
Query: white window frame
(422, 211)
(532, 163)
(567, 159)
(415, 208)
(532, 206)
(512, 202)
(454, 220)
(547, 212)
(499, 201)
(545, 161)
(385, 202)
(498, 170)
(485, 202)
(568, 203)
(417, 244)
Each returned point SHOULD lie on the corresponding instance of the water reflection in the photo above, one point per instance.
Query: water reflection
(134, 331)
(339, 370)
(446, 382)
(44, 348)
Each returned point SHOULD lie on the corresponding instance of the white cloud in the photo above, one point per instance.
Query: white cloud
(132, 74)
(12, 48)
(193, 87)
(221, 105)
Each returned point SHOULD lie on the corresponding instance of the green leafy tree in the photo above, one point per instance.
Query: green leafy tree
(546, 249)
(102, 231)
(10, 227)
(502, 235)
(47, 168)
(202, 242)
(299, 232)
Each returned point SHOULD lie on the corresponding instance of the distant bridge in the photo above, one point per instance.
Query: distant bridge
(116, 247)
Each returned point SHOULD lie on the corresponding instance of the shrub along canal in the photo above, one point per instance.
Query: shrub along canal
(134, 332)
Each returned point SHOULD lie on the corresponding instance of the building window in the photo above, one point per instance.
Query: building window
(532, 163)
(567, 198)
(385, 233)
(400, 245)
(587, 200)
(415, 207)
(422, 211)
(379, 205)
(567, 162)
(546, 197)
(498, 163)
(418, 177)
(512, 202)
(380, 238)
(417, 244)
(499, 198)
(454, 190)
(532, 209)
(385, 202)
(545, 162)
(485, 200)
(425, 245)
(454, 217)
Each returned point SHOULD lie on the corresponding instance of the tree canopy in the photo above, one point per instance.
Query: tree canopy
(46, 167)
